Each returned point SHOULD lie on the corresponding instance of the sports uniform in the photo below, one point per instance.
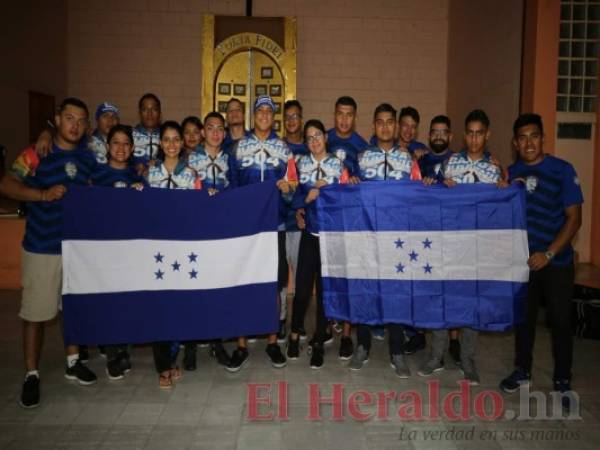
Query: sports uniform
(216, 173)
(108, 176)
(432, 164)
(183, 177)
(145, 144)
(461, 169)
(346, 149)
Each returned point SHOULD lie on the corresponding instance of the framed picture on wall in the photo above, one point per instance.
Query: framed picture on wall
(266, 73)
(277, 125)
(275, 90)
(222, 107)
(224, 89)
(239, 90)
(260, 89)
(277, 107)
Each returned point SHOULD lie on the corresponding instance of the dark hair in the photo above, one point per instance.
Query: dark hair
(384, 107)
(411, 112)
(231, 100)
(193, 120)
(440, 119)
(120, 128)
(528, 119)
(216, 115)
(315, 123)
(290, 104)
(73, 101)
(478, 115)
(346, 101)
(146, 96)
(169, 125)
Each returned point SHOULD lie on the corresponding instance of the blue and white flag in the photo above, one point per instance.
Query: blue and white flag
(426, 256)
(162, 264)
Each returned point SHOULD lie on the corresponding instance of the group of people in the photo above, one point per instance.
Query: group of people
(218, 153)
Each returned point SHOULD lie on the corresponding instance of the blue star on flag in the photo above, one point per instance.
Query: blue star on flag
(399, 243)
(193, 274)
(176, 266)
(159, 274)
(427, 268)
(399, 268)
(427, 243)
(192, 257)
(413, 255)
(158, 257)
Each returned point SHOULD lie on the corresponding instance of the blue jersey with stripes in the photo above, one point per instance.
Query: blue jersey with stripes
(346, 149)
(145, 144)
(552, 186)
(215, 172)
(297, 149)
(108, 176)
(43, 230)
(432, 164)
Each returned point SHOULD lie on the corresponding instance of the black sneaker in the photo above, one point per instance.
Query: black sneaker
(124, 361)
(217, 351)
(81, 373)
(84, 353)
(275, 356)
(316, 358)
(566, 393)
(515, 380)
(282, 332)
(30, 395)
(346, 348)
(454, 350)
(293, 349)
(414, 344)
(114, 371)
(238, 359)
(189, 357)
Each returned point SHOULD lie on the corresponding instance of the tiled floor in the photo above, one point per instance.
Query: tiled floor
(208, 409)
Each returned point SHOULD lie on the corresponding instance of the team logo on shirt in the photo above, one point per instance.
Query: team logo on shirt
(120, 184)
(530, 184)
(71, 170)
(340, 153)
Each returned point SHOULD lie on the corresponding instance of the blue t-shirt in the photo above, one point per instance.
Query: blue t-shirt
(346, 149)
(297, 149)
(108, 176)
(43, 230)
(432, 164)
(552, 186)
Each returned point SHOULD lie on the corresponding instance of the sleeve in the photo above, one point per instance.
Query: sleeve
(26, 164)
(570, 190)
(231, 171)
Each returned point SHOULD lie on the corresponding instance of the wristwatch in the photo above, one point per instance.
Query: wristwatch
(549, 255)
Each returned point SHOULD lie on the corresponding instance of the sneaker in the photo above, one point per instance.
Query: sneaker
(470, 373)
(327, 339)
(302, 334)
(102, 351)
(238, 359)
(515, 380)
(114, 371)
(84, 353)
(378, 333)
(359, 359)
(400, 367)
(293, 349)
(454, 350)
(282, 332)
(124, 361)
(81, 373)
(430, 367)
(564, 387)
(414, 344)
(346, 348)
(217, 351)
(338, 327)
(30, 395)
(189, 357)
(316, 358)
(275, 356)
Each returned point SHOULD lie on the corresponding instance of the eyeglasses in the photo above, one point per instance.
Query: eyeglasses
(436, 133)
(315, 137)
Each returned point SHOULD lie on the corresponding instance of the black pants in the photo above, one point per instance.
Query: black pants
(307, 272)
(163, 360)
(395, 337)
(282, 265)
(555, 285)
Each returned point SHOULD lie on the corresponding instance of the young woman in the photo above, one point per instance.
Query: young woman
(315, 170)
(170, 171)
(192, 134)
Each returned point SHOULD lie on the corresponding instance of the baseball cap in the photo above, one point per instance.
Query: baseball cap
(106, 107)
(264, 100)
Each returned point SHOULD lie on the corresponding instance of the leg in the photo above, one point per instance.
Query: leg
(304, 282)
(321, 320)
(33, 339)
(525, 332)
(396, 338)
(363, 336)
(439, 343)
(468, 344)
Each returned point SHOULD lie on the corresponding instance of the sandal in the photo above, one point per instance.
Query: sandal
(165, 380)
(176, 374)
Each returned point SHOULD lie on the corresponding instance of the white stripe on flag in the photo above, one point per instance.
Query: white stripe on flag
(495, 255)
(152, 265)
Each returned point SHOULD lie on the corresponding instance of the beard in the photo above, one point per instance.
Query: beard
(438, 146)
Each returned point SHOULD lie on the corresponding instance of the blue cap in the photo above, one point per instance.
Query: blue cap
(264, 100)
(106, 107)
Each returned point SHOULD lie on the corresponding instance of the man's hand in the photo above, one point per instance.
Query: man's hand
(43, 143)
(502, 184)
(138, 186)
(450, 182)
(212, 191)
(141, 170)
(537, 261)
(284, 187)
(300, 218)
(312, 195)
(53, 193)
(353, 180)
(320, 183)
(428, 181)
(420, 153)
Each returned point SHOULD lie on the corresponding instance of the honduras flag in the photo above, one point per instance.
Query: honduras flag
(161, 265)
(426, 256)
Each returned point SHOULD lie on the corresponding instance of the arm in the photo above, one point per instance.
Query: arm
(539, 260)
(14, 188)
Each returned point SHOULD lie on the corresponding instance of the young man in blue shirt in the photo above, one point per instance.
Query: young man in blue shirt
(408, 127)
(42, 183)
(554, 201)
(146, 137)
(236, 120)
